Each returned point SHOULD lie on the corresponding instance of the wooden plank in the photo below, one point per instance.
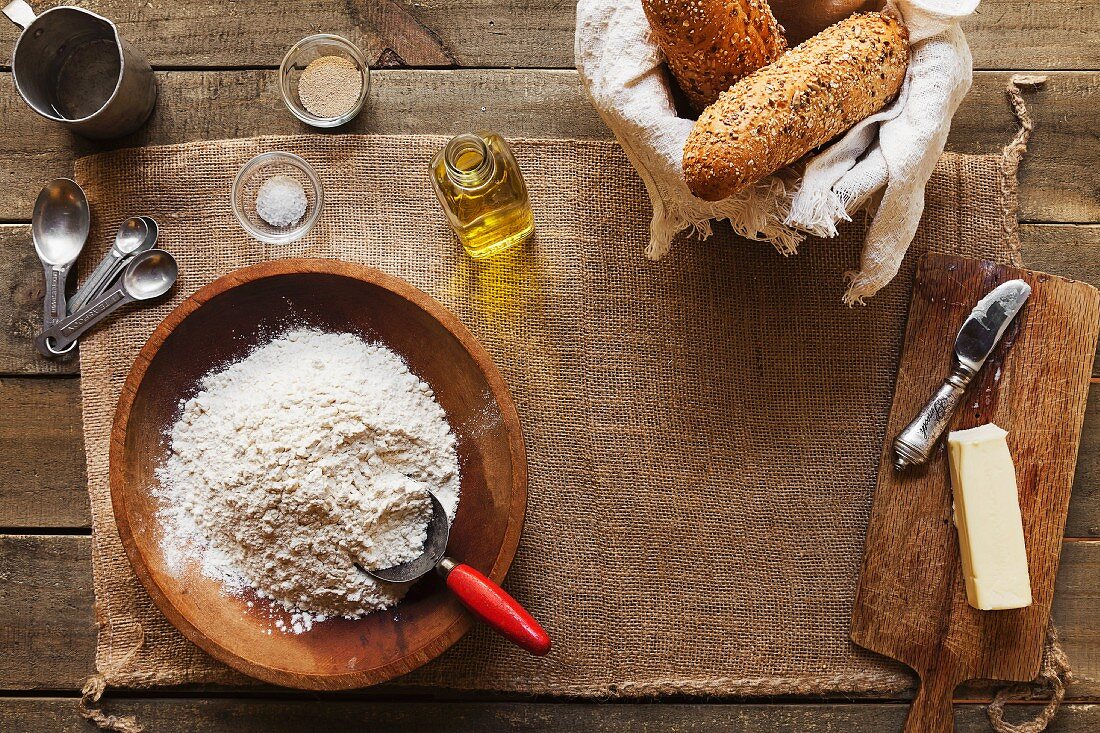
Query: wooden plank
(1071, 251)
(42, 457)
(1058, 181)
(46, 616)
(168, 715)
(213, 105)
(1049, 34)
(48, 635)
(1074, 251)
(42, 454)
(21, 290)
(1084, 505)
(1003, 34)
(1068, 250)
(43, 429)
(1044, 35)
(1076, 611)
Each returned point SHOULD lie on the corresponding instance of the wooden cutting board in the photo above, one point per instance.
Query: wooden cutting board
(911, 603)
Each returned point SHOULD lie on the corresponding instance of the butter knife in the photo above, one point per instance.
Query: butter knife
(977, 338)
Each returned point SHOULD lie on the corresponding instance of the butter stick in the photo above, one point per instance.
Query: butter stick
(987, 515)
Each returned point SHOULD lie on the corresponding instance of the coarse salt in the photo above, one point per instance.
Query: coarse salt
(281, 201)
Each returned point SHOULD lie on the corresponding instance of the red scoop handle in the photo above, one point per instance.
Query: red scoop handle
(490, 603)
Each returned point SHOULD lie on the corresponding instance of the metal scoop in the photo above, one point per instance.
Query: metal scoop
(132, 235)
(481, 596)
(59, 228)
(149, 275)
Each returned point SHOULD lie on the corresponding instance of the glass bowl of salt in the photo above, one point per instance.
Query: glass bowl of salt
(277, 197)
(324, 80)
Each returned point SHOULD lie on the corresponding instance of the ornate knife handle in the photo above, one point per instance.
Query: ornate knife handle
(915, 444)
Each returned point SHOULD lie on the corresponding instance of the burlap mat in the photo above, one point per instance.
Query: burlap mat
(702, 432)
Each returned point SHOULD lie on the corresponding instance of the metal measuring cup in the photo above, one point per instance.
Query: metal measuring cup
(71, 66)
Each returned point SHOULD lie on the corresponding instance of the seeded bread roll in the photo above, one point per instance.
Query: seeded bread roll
(711, 44)
(776, 115)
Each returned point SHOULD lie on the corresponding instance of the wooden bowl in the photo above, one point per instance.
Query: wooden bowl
(221, 323)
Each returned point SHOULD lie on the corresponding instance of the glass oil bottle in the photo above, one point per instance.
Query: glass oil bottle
(481, 188)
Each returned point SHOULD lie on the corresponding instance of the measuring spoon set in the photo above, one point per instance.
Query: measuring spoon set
(132, 270)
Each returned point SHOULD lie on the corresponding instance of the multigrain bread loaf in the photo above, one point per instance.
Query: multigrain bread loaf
(774, 116)
(711, 44)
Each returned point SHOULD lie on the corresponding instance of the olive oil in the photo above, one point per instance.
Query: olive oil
(481, 188)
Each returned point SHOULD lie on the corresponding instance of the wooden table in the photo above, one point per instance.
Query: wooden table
(449, 66)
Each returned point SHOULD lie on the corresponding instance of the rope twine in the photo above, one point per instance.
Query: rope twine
(89, 696)
(1013, 154)
(1054, 675)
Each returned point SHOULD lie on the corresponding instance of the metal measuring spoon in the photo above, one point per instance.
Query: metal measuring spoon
(484, 598)
(132, 234)
(149, 243)
(149, 275)
(59, 228)
(154, 231)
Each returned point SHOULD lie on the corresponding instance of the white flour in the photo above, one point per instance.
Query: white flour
(311, 454)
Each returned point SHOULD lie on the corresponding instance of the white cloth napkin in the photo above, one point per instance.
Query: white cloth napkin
(884, 160)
